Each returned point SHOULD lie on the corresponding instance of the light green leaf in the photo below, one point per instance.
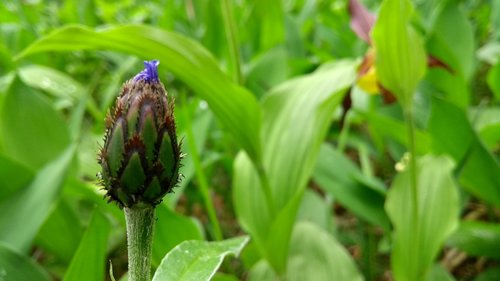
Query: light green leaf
(51, 80)
(321, 258)
(15, 266)
(234, 106)
(414, 250)
(89, 261)
(477, 239)
(296, 117)
(22, 214)
(400, 54)
(439, 273)
(197, 260)
(338, 176)
(170, 230)
(31, 131)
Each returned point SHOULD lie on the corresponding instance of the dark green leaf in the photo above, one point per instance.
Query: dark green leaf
(89, 261)
(477, 239)
(15, 266)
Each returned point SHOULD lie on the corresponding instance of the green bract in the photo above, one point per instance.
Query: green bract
(141, 157)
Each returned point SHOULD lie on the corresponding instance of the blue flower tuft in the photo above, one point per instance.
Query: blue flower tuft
(150, 72)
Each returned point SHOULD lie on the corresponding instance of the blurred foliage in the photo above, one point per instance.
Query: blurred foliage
(281, 143)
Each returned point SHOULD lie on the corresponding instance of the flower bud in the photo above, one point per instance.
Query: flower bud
(141, 157)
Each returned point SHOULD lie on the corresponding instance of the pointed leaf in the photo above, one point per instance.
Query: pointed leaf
(438, 210)
(89, 261)
(197, 260)
(296, 116)
(400, 54)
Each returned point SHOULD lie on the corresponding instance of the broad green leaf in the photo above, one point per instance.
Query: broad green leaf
(456, 49)
(417, 243)
(51, 80)
(170, 230)
(452, 87)
(477, 239)
(89, 261)
(316, 255)
(314, 208)
(197, 260)
(234, 106)
(31, 131)
(61, 232)
(400, 54)
(13, 177)
(15, 266)
(338, 176)
(296, 116)
(24, 212)
(479, 172)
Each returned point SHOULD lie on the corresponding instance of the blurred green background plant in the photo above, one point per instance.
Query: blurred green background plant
(283, 140)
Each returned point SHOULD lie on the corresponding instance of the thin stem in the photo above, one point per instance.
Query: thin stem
(232, 41)
(202, 180)
(140, 227)
(410, 127)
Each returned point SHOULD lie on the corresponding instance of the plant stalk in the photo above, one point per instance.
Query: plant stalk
(140, 226)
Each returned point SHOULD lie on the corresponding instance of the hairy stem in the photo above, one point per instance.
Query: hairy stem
(140, 225)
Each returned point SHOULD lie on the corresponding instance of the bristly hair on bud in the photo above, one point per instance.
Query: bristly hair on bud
(141, 156)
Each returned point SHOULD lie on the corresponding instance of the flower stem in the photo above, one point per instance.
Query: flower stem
(140, 225)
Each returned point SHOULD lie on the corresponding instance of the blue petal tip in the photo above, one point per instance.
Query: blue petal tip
(150, 72)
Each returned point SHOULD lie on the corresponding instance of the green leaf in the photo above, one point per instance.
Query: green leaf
(89, 261)
(270, 16)
(338, 176)
(197, 260)
(321, 258)
(479, 172)
(400, 55)
(296, 116)
(15, 266)
(24, 212)
(61, 232)
(477, 239)
(13, 177)
(52, 81)
(234, 106)
(456, 49)
(170, 230)
(415, 249)
(31, 131)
